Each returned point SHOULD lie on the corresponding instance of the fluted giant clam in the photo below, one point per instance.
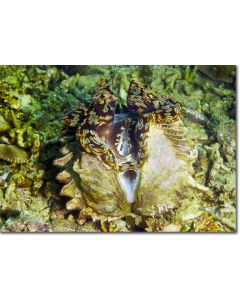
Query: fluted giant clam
(135, 159)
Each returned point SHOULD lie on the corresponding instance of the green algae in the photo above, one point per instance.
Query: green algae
(33, 100)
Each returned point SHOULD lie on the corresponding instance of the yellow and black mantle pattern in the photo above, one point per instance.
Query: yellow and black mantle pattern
(100, 128)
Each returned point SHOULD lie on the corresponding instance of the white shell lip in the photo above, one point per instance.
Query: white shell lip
(130, 183)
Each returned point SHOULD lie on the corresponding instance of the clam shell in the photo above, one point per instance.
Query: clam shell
(100, 187)
(166, 175)
(13, 154)
(64, 176)
(70, 190)
(86, 178)
(61, 162)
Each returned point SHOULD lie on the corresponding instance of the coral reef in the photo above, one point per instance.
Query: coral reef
(33, 102)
